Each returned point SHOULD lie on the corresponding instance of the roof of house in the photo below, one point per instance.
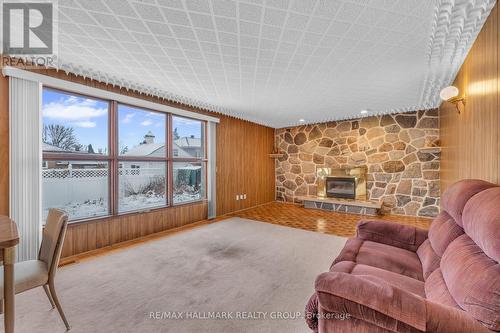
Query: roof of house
(188, 142)
(147, 149)
(48, 147)
(144, 149)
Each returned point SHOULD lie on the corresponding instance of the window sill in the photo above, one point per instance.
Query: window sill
(188, 202)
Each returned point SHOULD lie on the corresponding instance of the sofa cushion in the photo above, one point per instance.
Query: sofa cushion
(473, 280)
(456, 196)
(442, 232)
(429, 259)
(383, 256)
(445, 319)
(376, 274)
(437, 291)
(481, 219)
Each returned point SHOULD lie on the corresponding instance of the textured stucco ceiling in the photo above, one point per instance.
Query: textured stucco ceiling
(274, 61)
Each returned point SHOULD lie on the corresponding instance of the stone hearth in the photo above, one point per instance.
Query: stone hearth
(342, 206)
(402, 172)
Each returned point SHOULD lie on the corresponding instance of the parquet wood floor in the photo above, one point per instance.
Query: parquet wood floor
(340, 224)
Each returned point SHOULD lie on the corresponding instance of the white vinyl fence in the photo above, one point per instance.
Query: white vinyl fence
(79, 185)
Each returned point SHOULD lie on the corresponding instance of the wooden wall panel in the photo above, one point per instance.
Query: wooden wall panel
(470, 140)
(243, 167)
(88, 236)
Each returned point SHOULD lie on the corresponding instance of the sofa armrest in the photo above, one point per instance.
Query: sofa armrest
(311, 313)
(390, 233)
(370, 299)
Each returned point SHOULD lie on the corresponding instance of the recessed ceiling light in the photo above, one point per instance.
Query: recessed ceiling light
(364, 111)
(301, 120)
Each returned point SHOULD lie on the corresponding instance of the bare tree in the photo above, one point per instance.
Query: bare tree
(60, 136)
(123, 148)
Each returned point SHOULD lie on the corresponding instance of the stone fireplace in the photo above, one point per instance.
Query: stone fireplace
(342, 190)
(398, 153)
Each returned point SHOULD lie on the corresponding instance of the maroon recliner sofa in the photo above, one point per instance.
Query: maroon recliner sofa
(397, 278)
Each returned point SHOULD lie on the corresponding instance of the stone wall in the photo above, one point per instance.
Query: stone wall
(401, 172)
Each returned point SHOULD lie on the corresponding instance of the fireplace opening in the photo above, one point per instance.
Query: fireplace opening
(341, 187)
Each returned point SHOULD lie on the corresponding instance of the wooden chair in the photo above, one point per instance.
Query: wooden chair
(41, 273)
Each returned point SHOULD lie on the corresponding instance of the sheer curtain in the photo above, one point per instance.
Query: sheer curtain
(25, 164)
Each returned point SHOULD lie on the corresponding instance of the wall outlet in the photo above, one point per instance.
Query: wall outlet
(244, 196)
(237, 197)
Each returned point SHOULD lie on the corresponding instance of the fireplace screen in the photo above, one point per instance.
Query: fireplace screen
(341, 187)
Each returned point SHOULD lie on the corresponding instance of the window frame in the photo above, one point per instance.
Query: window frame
(118, 158)
(113, 157)
(202, 160)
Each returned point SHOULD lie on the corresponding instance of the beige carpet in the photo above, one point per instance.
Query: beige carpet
(233, 266)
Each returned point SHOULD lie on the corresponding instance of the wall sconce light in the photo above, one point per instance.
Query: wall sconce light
(451, 94)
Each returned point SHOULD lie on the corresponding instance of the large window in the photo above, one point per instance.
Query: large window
(188, 159)
(142, 153)
(81, 188)
(103, 158)
(188, 181)
(141, 185)
(75, 144)
(141, 133)
(74, 124)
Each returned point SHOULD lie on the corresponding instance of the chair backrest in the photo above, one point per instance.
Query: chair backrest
(447, 226)
(462, 253)
(470, 265)
(53, 238)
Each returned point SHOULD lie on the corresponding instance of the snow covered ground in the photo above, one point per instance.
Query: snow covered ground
(81, 209)
(83, 193)
(99, 207)
(184, 197)
(141, 202)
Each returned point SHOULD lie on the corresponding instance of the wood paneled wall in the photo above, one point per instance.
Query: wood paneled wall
(92, 235)
(470, 140)
(243, 167)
